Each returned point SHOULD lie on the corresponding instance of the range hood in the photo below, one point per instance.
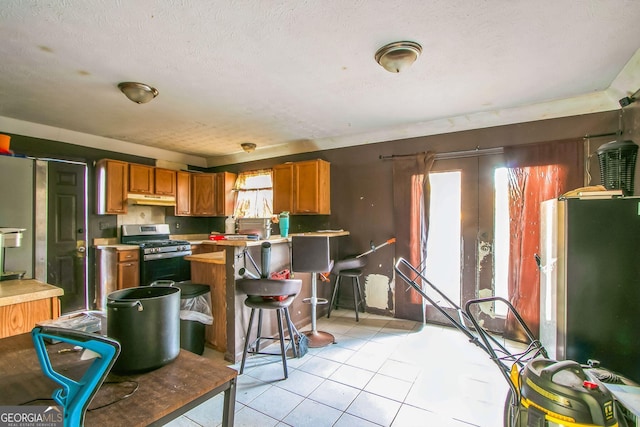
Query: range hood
(151, 200)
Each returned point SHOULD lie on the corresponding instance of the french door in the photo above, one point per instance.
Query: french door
(466, 248)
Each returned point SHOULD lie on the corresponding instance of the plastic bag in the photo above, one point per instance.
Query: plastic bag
(197, 309)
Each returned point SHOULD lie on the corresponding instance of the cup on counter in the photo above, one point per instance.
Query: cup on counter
(5, 143)
(284, 224)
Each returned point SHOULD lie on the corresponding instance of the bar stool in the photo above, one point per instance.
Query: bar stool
(310, 254)
(349, 268)
(268, 294)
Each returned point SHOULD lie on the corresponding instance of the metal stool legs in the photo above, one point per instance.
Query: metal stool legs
(358, 300)
(254, 347)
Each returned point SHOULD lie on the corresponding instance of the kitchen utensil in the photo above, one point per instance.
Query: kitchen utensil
(146, 322)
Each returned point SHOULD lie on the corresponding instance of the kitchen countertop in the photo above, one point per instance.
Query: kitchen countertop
(274, 239)
(26, 290)
(208, 258)
(113, 243)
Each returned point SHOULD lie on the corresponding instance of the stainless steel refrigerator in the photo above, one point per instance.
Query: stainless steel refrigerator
(590, 281)
(16, 210)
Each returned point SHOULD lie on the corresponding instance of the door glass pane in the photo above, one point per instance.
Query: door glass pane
(501, 239)
(443, 245)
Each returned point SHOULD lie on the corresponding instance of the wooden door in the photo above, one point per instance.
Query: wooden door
(112, 181)
(225, 197)
(165, 182)
(203, 194)
(66, 233)
(283, 188)
(311, 187)
(141, 179)
(128, 269)
(183, 193)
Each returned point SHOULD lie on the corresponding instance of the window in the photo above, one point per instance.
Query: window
(255, 194)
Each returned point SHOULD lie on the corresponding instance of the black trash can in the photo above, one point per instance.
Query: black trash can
(195, 314)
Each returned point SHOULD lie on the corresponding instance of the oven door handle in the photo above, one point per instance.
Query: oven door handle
(165, 255)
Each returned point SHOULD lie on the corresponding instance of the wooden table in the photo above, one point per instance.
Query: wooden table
(162, 395)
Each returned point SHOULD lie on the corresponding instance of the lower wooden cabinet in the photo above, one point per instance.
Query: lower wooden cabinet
(128, 268)
(20, 318)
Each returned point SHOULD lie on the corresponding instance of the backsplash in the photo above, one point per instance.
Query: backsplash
(140, 214)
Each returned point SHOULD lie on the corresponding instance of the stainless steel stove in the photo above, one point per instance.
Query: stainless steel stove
(162, 258)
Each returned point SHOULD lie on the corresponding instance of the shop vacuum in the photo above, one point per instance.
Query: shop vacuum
(542, 392)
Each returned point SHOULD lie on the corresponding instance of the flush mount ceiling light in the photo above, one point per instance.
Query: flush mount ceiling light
(139, 93)
(397, 56)
(248, 147)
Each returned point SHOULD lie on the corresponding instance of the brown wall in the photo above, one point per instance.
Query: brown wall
(361, 183)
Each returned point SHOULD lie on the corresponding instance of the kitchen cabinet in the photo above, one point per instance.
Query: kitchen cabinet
(165, 182)
(283, 188)
(203, 194)
(128, 268)
(225, 197)
(24, 303)
(141, 179)
(183, 194)
(302, 187)
(111, 192)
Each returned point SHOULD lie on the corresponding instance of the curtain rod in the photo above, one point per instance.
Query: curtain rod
(600, 135)
(453, 154)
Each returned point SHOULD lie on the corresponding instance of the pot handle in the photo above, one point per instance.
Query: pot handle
(162, 283)
(125, 304)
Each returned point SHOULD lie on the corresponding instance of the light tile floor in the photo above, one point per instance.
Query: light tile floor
(380, 372)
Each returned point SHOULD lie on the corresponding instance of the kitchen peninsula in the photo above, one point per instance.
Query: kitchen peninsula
(230, 260)
(23, 303)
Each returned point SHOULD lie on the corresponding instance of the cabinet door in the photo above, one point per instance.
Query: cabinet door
(141, 179)
(311, 187)
(203, 186)
(183, 194)
(128, 274)
(128, 269)
(111, 187)
(225, 197)
(165, 182)
(283, 188)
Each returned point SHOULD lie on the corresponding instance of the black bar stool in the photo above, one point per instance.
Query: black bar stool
(268, 294)
(310, 254)
(349, 268)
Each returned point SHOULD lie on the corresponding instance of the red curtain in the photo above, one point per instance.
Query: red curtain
(411, 220)
(537, 172)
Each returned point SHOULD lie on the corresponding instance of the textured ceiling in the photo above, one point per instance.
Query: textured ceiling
(299, 75)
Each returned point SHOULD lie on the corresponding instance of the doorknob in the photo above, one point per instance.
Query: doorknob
(82, 249)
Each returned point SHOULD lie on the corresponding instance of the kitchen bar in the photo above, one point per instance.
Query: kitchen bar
(229, 261)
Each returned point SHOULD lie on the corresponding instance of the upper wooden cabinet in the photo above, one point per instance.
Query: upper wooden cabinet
(183, 194)
(225, 197)
(283, 188)
(302, 187)
(145, 179)
(111, 192)
(165, 182)
(141, 179)
(203, 194)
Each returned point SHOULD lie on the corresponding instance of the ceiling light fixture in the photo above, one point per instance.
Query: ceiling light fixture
(139, 93)
(397, 56)
(248, 147)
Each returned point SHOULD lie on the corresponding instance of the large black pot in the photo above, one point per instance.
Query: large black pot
(146, 322)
